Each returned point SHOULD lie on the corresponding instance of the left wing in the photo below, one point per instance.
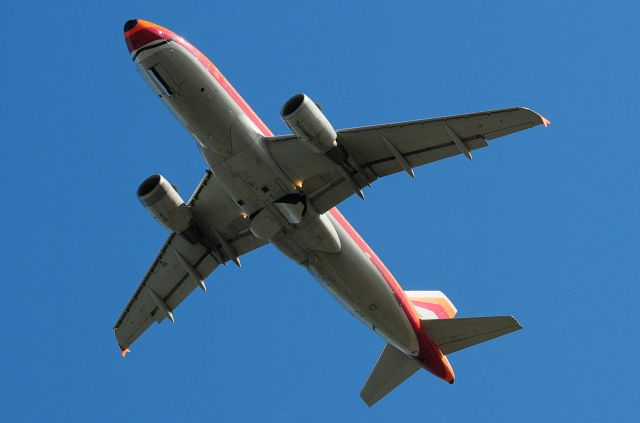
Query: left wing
(377, 151)
(180, 266)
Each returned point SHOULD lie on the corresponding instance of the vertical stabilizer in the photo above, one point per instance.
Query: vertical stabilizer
(432, 304)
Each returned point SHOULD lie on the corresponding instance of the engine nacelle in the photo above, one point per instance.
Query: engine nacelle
(309, 124)
(165, 204)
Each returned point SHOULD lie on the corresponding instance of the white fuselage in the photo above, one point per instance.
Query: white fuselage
(232, 141)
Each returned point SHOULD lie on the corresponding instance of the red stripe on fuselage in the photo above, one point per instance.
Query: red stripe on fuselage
(213, 71)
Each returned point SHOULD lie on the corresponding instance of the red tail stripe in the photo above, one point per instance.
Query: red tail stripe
(436, 308)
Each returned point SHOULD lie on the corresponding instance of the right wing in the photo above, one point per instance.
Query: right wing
(168, 282)
(375, 149)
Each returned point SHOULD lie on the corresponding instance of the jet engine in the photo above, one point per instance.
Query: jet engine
(165, 204)
(308, 123)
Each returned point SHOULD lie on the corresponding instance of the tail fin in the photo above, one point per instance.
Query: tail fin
(448, 334)
(432, 304)
(451, 335)
(392, 368)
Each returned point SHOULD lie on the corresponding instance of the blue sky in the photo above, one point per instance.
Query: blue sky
(542, 224)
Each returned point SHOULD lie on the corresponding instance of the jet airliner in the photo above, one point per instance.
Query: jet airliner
(261, 188)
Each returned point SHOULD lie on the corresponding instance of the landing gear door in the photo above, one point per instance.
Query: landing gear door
(163, 82)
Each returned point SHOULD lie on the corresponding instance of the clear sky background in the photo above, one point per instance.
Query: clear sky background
(542, 224)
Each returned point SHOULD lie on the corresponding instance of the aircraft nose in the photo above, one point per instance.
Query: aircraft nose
(138, 33)
(130, 24)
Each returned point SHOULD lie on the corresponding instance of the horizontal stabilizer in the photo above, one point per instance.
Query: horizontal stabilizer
(452, 335)
(393, 368)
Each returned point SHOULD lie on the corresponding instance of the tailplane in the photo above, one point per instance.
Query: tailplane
(392, 368)
(451, 335)
(443, 331)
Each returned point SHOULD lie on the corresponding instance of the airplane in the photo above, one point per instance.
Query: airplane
(261, 188)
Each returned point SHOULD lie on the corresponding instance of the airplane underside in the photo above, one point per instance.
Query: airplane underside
(263, 198)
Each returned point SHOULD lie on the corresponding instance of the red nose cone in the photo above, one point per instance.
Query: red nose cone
(138, 33)
(128, 25)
